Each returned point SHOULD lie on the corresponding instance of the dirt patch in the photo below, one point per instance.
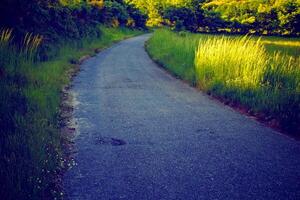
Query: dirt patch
(67, 128)
(83, 58)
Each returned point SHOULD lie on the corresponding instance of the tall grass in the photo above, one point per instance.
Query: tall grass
(235, 62)
(30, 45)
(31, 154)
(174, 52)
(240, 69)
(5, 36)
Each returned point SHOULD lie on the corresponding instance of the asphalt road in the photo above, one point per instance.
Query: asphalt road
(143, 134)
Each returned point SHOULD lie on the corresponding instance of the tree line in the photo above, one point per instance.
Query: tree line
(264, 17)
(74, 19)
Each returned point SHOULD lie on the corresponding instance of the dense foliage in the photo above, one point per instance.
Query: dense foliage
(263, 17)
(50, 19)
(116, 12)
(61, 20)
(280, 17)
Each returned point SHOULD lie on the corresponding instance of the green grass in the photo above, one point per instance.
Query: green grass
(30, 140)
(259, 73)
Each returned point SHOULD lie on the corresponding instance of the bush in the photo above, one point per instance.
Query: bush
(139, 19)
(55, 22)
(114, 13)
(181, 18)
(117, 13)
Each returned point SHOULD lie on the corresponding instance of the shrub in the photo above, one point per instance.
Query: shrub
(114, 13)
(182, 18)
(138, 18)
(55, 22)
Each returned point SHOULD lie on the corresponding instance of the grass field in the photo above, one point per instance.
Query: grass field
(30, 141)
(261, 74)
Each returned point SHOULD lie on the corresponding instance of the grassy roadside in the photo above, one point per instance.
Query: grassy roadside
(261, 76)
(31, 144)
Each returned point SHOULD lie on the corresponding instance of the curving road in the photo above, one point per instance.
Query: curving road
(143, 134)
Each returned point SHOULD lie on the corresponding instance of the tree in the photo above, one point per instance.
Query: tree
(114, 13)
(289, 17)
(137, 16)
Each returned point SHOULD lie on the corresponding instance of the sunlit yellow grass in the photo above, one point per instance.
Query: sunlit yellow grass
(32, 42)
(5, 35)
(282, 43)
(239, 62)
(244, 63)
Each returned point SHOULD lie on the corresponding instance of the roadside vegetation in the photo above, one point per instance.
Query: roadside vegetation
(261, 74)
(32, 157)
(40, 43)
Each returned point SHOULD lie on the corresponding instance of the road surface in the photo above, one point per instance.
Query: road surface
(143, 134)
